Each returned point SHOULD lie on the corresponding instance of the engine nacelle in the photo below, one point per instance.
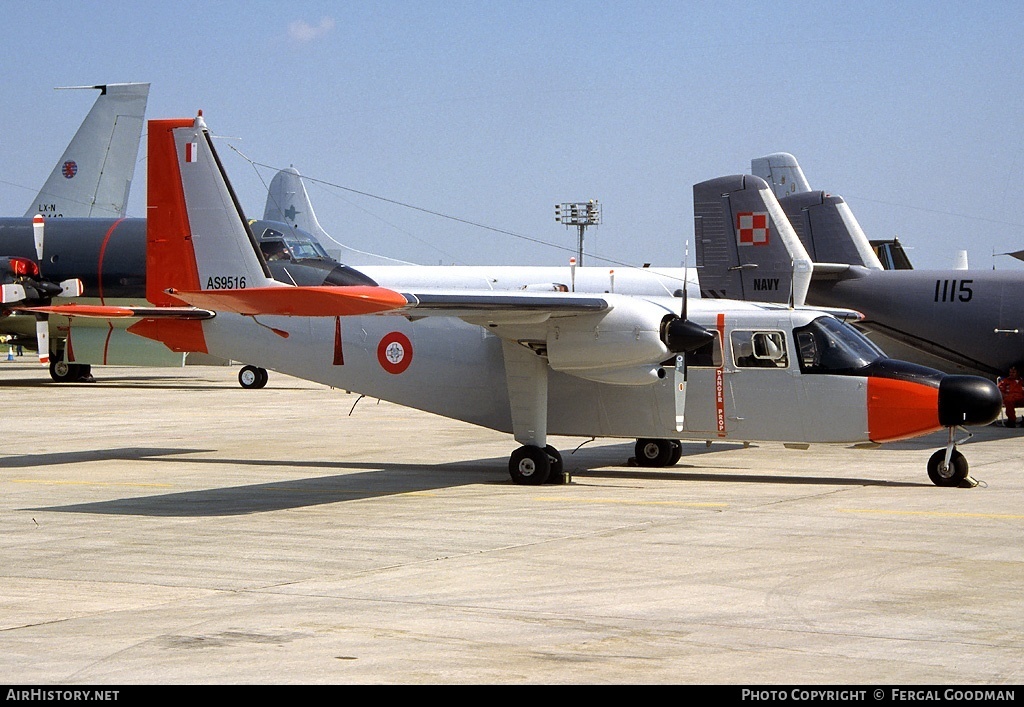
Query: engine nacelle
(627, 336)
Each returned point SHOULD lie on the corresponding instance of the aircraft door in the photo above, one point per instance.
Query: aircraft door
(760, 385)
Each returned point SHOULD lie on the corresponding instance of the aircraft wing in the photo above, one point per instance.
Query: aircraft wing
(324, 301)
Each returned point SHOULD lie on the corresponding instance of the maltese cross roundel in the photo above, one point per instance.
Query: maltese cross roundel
(394, 352)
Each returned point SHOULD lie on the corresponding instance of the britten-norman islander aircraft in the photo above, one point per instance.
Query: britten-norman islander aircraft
(530, 363)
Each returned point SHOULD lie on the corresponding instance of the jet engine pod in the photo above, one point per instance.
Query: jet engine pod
(968, 400)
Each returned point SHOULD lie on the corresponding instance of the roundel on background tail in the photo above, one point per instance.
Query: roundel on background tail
(394, 352)
(69, 169)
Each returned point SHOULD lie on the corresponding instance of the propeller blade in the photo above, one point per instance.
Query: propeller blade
(37, 232)
(71, 288)
(43, 338)
(11, 293)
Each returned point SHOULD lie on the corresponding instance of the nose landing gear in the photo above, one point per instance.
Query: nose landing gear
(948, 467)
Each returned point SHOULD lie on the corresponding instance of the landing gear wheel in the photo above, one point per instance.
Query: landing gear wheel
(655, 452)
(677, 452)
(63, 372)
(252, 377)
(529, 465)
(84, 373)
(555, 475)
(952, 475)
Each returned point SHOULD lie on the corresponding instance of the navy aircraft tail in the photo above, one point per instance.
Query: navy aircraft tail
(763, 263)
(289, 203)
(94, 175)
(828, 229)
(746, 247)
(782, 172)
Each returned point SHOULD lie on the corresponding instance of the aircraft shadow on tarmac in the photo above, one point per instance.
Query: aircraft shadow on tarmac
(18, 461)
(376, 480)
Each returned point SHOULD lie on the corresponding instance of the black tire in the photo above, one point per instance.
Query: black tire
(529, 465)
(252, 377)
(555, 474)
(953, 475)
(84, 373)
(654, 452)
(63, 372)
(677, 452)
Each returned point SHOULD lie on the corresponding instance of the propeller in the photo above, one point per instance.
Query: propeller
(680, 334)
(30, 286)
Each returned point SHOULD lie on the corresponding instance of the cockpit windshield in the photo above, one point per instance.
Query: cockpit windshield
(827, 345)
(293, 246)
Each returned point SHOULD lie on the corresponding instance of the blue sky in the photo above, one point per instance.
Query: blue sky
(493, 112)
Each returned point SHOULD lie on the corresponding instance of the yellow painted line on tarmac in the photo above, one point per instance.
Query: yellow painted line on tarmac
(87, 483)
(623, 502)
(936, 514)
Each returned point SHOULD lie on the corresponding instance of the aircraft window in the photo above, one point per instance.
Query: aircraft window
(826, 345)
(303, 249)
(759, 349)
(708, 355)
(271, 233)
(274, 250)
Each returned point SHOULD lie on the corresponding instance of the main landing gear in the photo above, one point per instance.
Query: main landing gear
(533, 466)
(658, 452)
(63, 372)
(251, 377)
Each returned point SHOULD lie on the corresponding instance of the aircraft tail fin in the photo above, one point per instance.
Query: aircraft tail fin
(201, 251)
(746, 247)
(782, 172)
(288, 202)
(828, 229)
(94, 175)
(195, 229)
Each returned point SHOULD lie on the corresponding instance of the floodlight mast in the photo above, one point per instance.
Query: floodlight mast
(580, 214)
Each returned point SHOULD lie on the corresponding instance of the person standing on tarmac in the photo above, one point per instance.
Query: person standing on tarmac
(1012, 389)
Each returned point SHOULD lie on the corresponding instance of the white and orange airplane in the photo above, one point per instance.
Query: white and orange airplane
(651, 368)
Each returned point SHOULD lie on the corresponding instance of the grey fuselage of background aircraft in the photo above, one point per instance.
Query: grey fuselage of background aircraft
(956, 320)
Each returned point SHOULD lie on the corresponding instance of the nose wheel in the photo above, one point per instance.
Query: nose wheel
(948, 467)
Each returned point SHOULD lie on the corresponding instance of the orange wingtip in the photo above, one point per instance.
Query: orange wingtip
(83, 310)
(297, 301)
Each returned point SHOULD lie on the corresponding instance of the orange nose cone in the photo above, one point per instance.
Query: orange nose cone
(899, 409)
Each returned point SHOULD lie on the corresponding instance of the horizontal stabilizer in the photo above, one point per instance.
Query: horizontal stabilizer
(297, 301)
(98, 311)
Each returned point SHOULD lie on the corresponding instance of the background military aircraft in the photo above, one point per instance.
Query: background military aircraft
(94, 175)
(959, 321)
(531, 363)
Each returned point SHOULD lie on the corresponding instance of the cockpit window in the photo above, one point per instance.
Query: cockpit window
(826, 345)
(274, 250)
(303, 249)
(759, 349)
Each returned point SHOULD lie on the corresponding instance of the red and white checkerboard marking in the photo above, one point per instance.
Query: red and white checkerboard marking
(752, 228)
